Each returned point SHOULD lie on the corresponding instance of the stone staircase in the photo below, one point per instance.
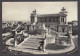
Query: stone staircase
(31, 43)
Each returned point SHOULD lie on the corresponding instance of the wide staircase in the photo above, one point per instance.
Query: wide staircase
(32, 43)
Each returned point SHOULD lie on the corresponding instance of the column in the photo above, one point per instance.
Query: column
(54, 19)
(51, 19)
(61, 20)
(35, 18)
(45, 19)
(15, 43)
(42, 19)
(15, 39)
(65, 20)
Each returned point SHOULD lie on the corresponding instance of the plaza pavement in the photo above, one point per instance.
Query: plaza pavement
(31, 44)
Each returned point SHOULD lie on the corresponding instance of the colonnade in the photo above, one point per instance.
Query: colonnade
(48, 19)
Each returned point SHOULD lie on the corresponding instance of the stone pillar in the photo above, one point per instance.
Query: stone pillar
(15, 39)
(15, 43)
(47, 19)
(65, 20)
(35, 18)
(51, 19)
(44, 26)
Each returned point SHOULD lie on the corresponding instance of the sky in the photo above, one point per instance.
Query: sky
(20, 11)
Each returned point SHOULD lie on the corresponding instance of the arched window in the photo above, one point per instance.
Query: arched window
(63, 19)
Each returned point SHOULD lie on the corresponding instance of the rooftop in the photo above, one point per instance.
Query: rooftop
(48, 15)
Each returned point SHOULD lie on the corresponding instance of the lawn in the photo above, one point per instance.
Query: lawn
(55, 46)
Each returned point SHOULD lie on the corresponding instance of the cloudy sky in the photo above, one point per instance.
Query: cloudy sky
(20, 11)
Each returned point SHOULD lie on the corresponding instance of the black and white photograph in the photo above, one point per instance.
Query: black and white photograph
(40, 27)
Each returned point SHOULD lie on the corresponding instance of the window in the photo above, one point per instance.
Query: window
(63, 19)
(32, 19)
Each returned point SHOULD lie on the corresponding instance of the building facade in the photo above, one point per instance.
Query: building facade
(56, 21)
